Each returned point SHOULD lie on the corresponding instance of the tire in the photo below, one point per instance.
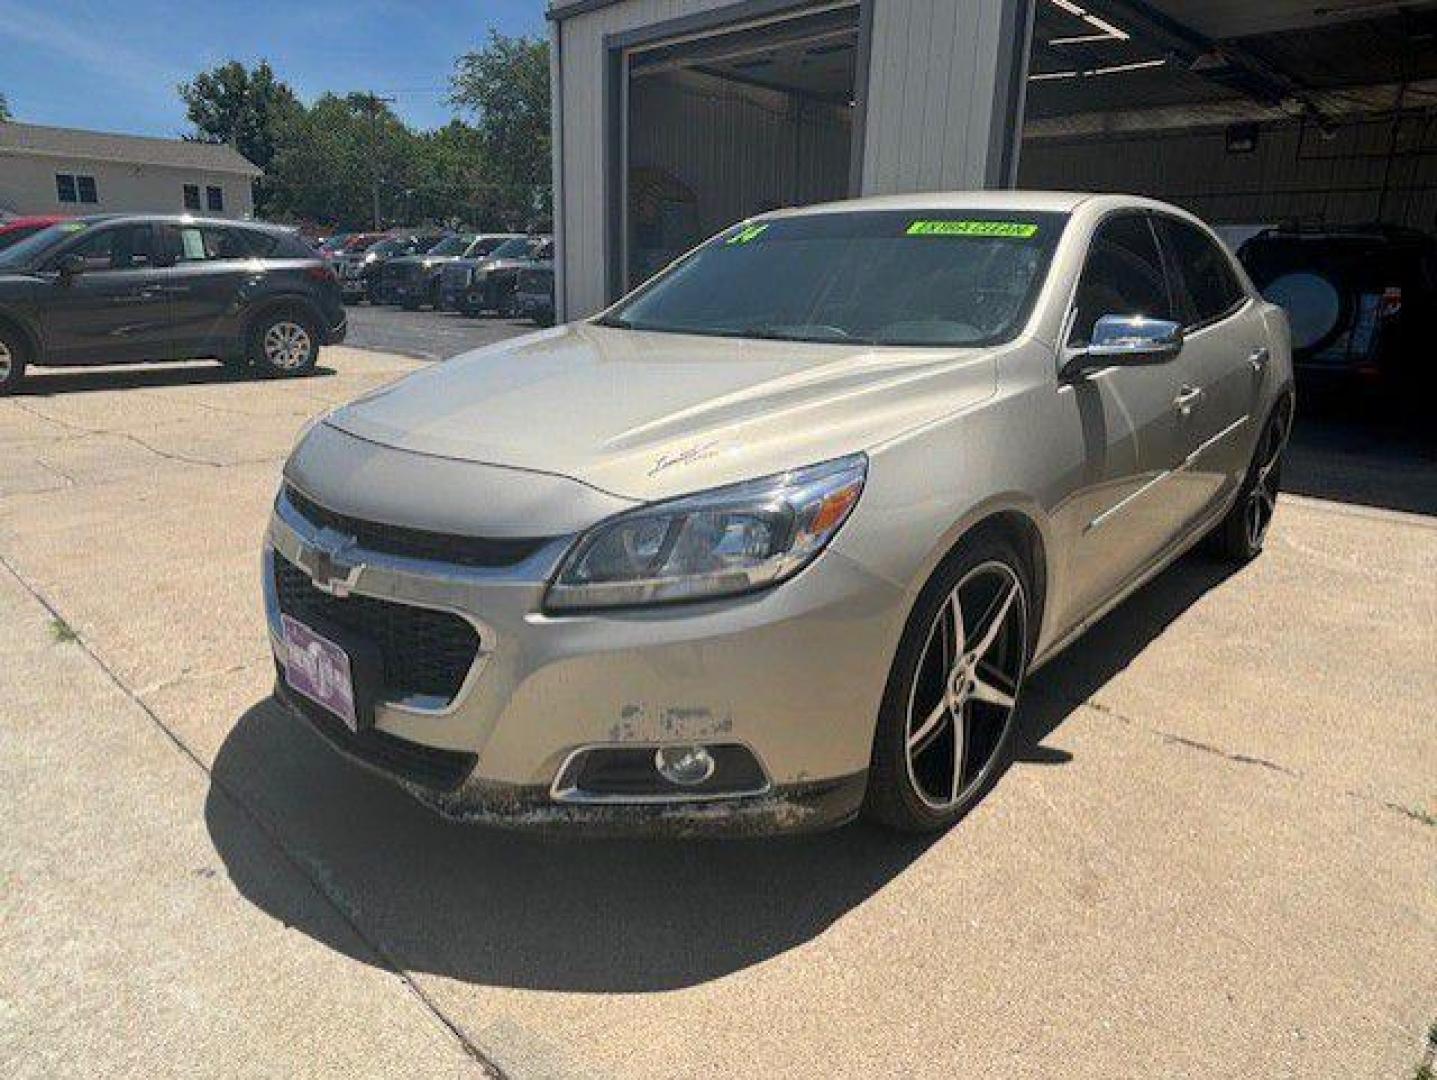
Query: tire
(14, 355)
(284, 342)
(1239, 536)
(923, 777)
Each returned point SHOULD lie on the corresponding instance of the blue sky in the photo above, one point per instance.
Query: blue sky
(112, 65)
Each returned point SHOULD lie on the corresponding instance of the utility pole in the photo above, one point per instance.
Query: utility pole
(374, 104)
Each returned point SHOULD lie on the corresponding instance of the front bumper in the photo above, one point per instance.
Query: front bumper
(794, 675)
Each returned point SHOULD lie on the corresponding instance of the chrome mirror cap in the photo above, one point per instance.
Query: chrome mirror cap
(1125, 341)
(1116, 336)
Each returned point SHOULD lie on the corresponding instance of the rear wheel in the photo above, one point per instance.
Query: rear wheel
(946, 723)
(284, 342)
(13, 355)
(1240, 535)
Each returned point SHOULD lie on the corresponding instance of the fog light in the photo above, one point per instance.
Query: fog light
(684, 765)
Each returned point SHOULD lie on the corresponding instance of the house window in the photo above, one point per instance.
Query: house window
(192, 196)
(71, 188)
(215, 198)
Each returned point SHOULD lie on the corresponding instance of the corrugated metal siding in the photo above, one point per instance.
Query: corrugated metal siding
(1295, 173)
(931, 94)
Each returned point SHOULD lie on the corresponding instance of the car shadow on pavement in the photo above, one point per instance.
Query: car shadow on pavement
(47, 382)
(509, 910)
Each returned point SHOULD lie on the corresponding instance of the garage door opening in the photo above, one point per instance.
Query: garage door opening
(1307, 135)
(732, 124)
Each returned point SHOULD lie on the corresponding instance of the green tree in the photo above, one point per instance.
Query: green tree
(4, 108)
(249, 108)
(505, 85)
(341, 158)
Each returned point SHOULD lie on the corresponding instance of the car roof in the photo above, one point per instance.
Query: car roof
(1031, 201)
(29, 220)
(183, 219)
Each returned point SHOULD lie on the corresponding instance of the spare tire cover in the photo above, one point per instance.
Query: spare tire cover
(1313, 305)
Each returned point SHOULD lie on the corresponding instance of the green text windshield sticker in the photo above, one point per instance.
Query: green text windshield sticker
(72, 226)
(747, 236)
(1018, 230)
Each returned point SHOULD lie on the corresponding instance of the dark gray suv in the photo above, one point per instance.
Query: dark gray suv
(128, 288)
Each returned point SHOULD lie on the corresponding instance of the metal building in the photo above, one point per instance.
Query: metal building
(675, 118)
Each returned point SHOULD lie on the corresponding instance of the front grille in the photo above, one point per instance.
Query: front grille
(427, 653)
(415, 543)
(428, 766)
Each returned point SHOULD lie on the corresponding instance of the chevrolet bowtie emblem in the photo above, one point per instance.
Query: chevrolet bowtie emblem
(327, 566)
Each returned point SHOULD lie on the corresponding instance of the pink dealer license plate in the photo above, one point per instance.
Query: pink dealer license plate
(320, 670)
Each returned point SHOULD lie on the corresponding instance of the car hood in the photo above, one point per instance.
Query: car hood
(649, 415)
(512, 264)
(421, 259)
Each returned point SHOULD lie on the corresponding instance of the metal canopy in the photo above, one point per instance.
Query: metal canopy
(1103, 55)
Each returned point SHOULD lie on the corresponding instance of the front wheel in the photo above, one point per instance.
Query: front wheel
(946, 722)
(285, 342)
(1240, 535)
(12, 360)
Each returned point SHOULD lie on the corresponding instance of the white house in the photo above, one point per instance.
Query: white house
(49, 170)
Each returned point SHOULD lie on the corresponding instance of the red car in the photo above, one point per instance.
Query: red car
(17, 228)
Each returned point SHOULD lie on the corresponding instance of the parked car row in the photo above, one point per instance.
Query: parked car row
(120, 288)
(508, 274)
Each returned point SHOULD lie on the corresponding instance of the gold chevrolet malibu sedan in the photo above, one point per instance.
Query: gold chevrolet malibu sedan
(775, 540)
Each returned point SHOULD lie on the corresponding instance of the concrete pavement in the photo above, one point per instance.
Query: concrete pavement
(1215, 855)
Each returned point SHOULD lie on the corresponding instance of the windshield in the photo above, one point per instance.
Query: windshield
(517, 248)
(38, 243)
(11, 237)
(387, 247)
(922, 277)
(450, 245)
(485, 245)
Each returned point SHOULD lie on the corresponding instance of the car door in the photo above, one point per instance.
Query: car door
(1225, 343)
(111, 310)
(213, 267)
(1136, 423)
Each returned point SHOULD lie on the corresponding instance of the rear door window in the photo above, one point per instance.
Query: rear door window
(1124, 275)
(1211, 287)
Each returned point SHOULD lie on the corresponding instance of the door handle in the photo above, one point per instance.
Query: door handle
(1259, 357)
(1187, 397)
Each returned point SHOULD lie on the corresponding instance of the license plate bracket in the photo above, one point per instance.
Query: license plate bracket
(334, 668)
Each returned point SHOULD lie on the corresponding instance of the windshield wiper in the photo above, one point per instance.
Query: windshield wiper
(813, 334)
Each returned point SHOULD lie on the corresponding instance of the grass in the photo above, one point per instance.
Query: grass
(62, 631)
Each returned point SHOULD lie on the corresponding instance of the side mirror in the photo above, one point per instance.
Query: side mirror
(71, 265)
(1126, 341)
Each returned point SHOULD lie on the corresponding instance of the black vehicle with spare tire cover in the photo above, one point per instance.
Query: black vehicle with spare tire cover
(1362, 302)
(116, 289)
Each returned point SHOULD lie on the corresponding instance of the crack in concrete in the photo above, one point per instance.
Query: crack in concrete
(300, 863)
(1237, 758)
(188, 675)
(167, 455)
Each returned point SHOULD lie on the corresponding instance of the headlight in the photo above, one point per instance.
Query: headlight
(370, 257)
(718, 543)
